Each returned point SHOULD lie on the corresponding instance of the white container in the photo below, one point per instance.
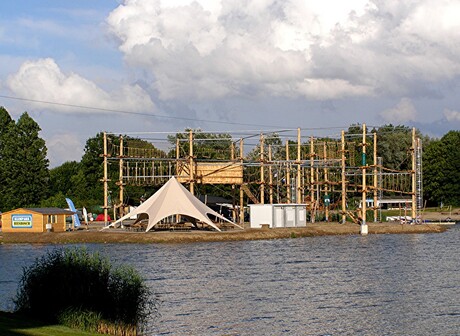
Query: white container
(301, 215)
(261, 214)
(278, 215)
(290, 216)
(48, 227)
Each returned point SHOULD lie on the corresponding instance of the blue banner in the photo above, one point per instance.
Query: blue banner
(72, 208)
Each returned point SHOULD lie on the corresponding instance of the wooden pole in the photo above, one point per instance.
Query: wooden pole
(298, 186)
(288, 174)
(262, 176)
(312, 179)
(270, 173)
(326, 185)
(105, 181)
(364, 228)
(232, 158)
(191, 164)
(344, 186)
(375, 178)
(414, 179)
(120, 181)
(177, 169)
(241, 189)
(177, 156)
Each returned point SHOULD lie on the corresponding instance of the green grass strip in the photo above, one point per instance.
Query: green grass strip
(15, 325)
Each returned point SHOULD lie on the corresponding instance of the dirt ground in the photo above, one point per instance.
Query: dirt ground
(121, 236)
(453, 215)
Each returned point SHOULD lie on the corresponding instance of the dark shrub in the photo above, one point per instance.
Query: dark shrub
(73, 282)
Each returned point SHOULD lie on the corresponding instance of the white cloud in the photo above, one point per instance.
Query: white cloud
(62, 147)
(211, 49)
(43, 80)
(404, 111)
(331, 89)
(452, 115)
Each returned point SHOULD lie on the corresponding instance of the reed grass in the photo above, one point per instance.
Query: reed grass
(83, 290)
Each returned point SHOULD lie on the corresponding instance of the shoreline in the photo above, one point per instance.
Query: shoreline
(194, 236)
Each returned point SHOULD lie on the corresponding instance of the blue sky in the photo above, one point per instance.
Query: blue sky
(227, 66)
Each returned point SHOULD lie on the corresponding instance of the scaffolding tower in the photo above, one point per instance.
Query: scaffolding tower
(325, 173)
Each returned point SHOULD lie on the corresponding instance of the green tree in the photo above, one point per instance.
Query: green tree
(5, 122)
(87, 183)
(5, 119)
(354, 139)
(278, 149)
(63, 183)
(24, 164)
(79, 188)
(93, 169)
(57, 200)
(441, 175)
(393, 145)
(206, 146)
(61, 178)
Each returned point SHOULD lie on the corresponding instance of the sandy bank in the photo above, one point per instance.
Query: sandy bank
(109, 236)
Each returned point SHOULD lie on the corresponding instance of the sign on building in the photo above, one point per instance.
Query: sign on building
(21, 221)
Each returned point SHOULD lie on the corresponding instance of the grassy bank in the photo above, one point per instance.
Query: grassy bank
(15, 325)
(114, 236)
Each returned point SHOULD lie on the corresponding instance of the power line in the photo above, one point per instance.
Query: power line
(132, 112)
(275, 127)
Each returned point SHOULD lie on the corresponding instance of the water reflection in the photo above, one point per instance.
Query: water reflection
(344, 285)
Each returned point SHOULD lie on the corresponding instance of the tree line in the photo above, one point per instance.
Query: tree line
(27, 181)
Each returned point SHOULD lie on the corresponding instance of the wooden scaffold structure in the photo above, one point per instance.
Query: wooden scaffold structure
(324, 173)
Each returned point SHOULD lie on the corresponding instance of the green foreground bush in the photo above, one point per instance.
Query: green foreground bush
(83, 290)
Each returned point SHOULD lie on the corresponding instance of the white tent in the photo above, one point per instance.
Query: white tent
(173, 199)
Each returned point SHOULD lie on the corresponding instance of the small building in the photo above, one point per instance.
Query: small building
(278, 215)
(37, 220)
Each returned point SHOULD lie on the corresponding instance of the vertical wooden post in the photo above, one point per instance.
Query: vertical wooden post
(375, 178)
(298, 186)
(326, 182)
(364, 228)
(232, 158)
(241, 189)
(177, 156)
(414, 179)
(177, 169)
(191, 163)
(177, 165)
(344, 186)
(288, 174)
(105, 180)
(312, 180)
(270, 173)
(120, 180)
(262, 176)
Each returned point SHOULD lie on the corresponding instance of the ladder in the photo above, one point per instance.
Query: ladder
(418, 178)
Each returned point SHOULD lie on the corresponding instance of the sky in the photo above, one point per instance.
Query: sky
(82, 67)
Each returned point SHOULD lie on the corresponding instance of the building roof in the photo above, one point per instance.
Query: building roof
(45, 211)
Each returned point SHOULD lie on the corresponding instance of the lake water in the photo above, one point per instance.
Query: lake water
(337, 285)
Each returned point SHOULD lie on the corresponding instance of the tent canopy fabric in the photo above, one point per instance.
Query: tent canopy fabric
(173, 199)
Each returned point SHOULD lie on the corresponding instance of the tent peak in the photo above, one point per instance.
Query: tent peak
(174, 199)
